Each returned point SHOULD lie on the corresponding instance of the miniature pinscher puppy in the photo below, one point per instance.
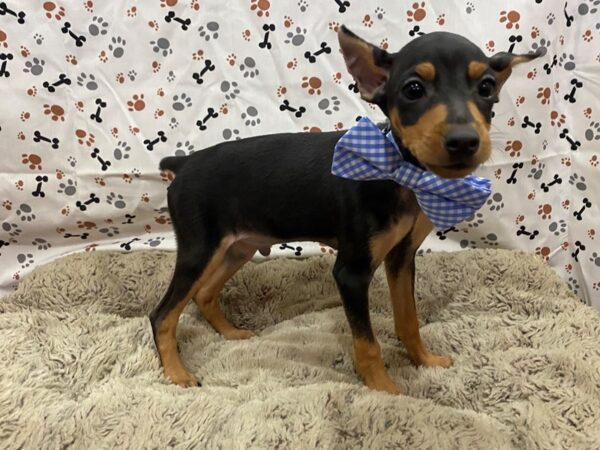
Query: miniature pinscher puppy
(230, 200)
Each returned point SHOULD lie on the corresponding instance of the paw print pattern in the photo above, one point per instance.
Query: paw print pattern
(578, 181)
(248, 67)
(329, 105)
(25, 259)
(184, 148)
(495, 202)
(230, 89)
(595, 258)
(35, 66)
(117, 46)
(558, 227)
(121, 151)
(116, 200)
(250, 117)
(41, 244)
(154, 242)
(593, 132)
(231, 134)
(181, 102)
(162, 46)
(25, 213)
(209, 31)
(98, 27)
(89, 81)
(68, 187)
(296, 37)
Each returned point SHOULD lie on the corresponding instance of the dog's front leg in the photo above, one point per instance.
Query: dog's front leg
(353, 275)
(400, 271)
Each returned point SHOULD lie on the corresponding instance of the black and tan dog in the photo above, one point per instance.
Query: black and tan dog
(235, 198)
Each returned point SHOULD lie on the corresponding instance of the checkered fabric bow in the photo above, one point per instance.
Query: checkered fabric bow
(365, 152)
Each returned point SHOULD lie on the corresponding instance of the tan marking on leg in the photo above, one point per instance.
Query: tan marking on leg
(426, 71)
(383, 242)
(403, 304)
(369, 366)
(476, 69)
(166, 339)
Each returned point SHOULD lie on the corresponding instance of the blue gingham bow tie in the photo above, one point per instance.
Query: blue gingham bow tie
(365, 152)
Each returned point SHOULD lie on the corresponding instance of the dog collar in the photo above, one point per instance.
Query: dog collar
(365, 152)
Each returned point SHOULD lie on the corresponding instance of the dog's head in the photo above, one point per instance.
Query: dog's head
(437, 91)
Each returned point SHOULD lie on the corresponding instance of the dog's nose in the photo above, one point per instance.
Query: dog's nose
(462, 141)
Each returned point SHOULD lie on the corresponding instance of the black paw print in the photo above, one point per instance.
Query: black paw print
(296, 37)
(249, 67)
(329, 105)
(34, 67)
(184, 148)
(116, 200)
(25, 212)
(181, 101)
(116, 46)
(162, 45)
(230, 90)
(98, 26)
(495, 202)
(537, 172)
(593, 132)
(89, 81)
(68, 187)
(558, 227)
(41, 244)
(121, 151)
(25, 259)
(578, 182)
(251, 116)
(210, 31)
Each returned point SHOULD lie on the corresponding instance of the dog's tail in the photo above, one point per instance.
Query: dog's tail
(172, 163)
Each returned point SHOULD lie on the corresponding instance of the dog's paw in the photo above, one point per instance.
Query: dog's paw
(382, 382)
(183, 379)
(431, 360)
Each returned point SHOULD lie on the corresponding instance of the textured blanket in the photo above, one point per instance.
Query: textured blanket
(79, 368)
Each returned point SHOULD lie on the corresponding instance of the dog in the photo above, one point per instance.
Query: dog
(236, 198)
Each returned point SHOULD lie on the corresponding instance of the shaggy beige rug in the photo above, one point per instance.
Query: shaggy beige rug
(79, 369)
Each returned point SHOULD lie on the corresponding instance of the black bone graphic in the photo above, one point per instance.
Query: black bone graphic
(342, 5)
(37, 137)
(265, 42)
(528, 123)
(297, 250)
(151, 143)
(104, 164)
(208, 66)
(567, 16)
(442, 234)
(312, 57)
(62, 79)
(185, 23)
(416, 30)
(127, 245)
(531, 234)
(586, 204)
(19, 15)
(513, 39)
(5, 57)
(210, 114)
(513, 178)
(66, 29)
(41, 179)
(285, 106)
(82, 236)
(96, 116)
(564, 135)
(83, 205)
(571, 95)
(129, 218)
(580, 247)
(556, 180)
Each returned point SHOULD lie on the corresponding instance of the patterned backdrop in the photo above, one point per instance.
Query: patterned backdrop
(96, 93)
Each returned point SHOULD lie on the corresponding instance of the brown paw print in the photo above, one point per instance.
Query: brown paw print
(566, 161)
(65, 211)
(417, 12)
(59, 174)
(100, 181)
(89, 5)
(103, 56)
(156, 66)
(566, 204)
(367, 21)
(16, 276)
(510, 122)
(145, 197)
(20, 136)
(84, 138)
(519, 219)
(163, 220)
(169, 3)
(91, 247)
(557, 119)
(154, 25)
(32, 160)
(19, 185)
(292, 64)
(288, 22)
(490, 46)
(520, 100)
(564, 245)
(158, 113)
(510, 19)
(384, 44)
(120, 78)
(543, 252)
(545, 211)
(114, 131)
(261, 7)
(7, 204)
(326, 249)
(134, 130)
(86, 225)
(24, 51)
(198, 55)
(224, 109)
(136, 103)
(532, 74)
(513, 148)
(334, 26)
(441, 20)
(535, 32)
(587, 36)
(594, 161)
(544, 95)
(147, 228)
(195, 5)
(312, 129)
(337, 77)
(72, 59)
(32, 91)
(247, 35)
(281, 91)
(79, 106)
(3, 39)
(338, 126)
(531, 195)
(591, 233)
(25, 116)
(53, 11)
(587, 112)
(231, 59)
(132, 12)
(167, 175)
(56, 112)
(160, 92)
(312, 85)
(498, 173)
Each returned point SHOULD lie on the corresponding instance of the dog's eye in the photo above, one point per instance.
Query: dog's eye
(487, 88)
(413, 90)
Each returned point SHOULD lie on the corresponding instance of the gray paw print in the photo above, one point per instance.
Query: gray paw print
(122, 151)
(88, 81)
(154, 242)
(98, 26)
(173, 123)
(251, 116)
(228, 134)
(422, 251)
(578, 182)
(42, 244)
(117, 46)
(303, 4)
(464, 243)
(12, 229)
(136, 172)
(109, 231)
(495, 202)
(170, 76)
(35, 66)
(162, 45)
(475, 220)
(567, 61)
(72, 161)
(296, 38)
(184, 148)
(595, 258)
(584, 7)
(593, 132)
(230, 89)
(490, 240)
(550, 18)
(249, 67)
(116, 200)
(558, 227)
(38, 38)
(537, 172)
(25, 212)
(25, 260)
(132, 74)
(470, 7)
(379, 13)
(329, 105)
(573, 284)
(542, 47)
(211, 31)
(181, 101)
(69, 187)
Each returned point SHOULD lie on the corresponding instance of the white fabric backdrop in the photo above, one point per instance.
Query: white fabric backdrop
(152, 69)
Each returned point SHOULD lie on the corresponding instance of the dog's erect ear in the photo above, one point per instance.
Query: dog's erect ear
(502, 63)
(369, 65)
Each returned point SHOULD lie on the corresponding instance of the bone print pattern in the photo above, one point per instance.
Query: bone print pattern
(99, 92)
